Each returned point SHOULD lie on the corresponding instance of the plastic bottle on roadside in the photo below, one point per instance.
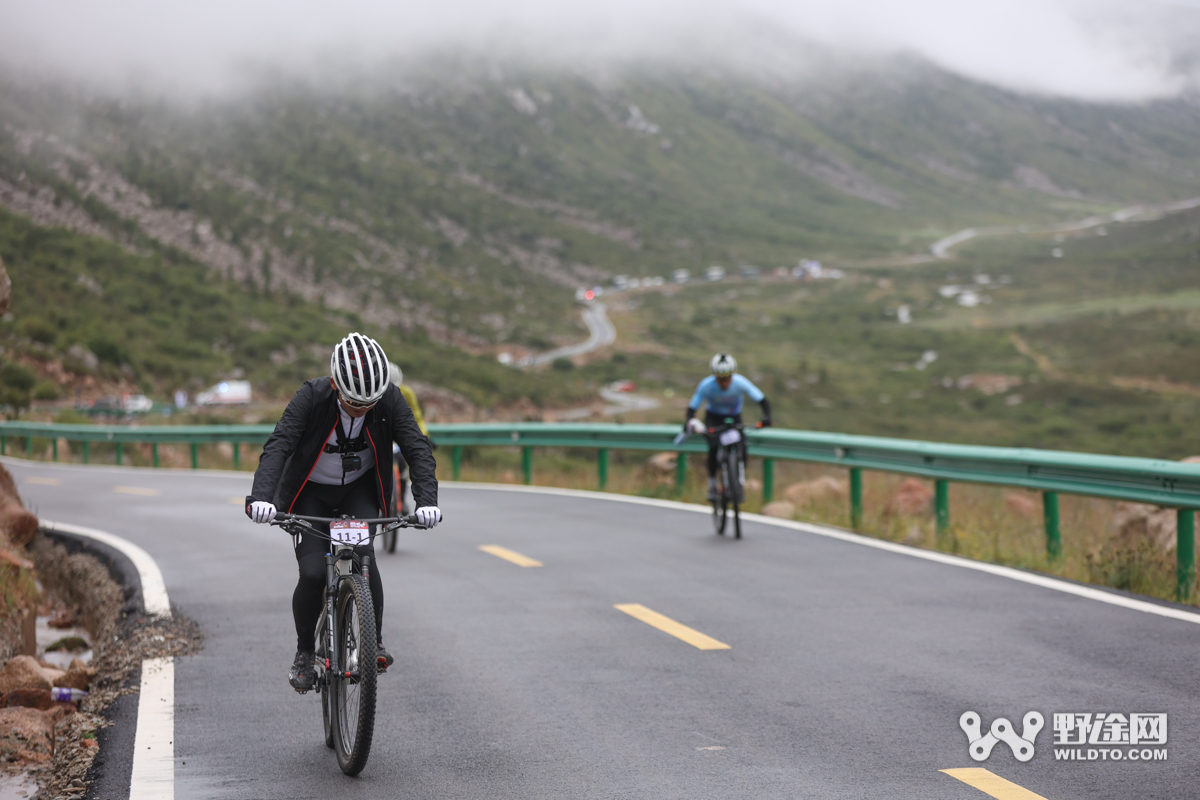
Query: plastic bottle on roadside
(63, 694)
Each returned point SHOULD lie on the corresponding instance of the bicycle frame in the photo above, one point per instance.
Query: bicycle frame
(340, 564)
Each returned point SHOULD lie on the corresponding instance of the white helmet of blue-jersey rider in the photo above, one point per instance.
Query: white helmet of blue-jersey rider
(723, 364)
(360, 369)
(397, 375)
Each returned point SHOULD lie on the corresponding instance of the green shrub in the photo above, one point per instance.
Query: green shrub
(39, 329)
(46, 390)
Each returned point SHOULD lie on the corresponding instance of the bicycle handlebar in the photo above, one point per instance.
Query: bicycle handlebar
(392, 523)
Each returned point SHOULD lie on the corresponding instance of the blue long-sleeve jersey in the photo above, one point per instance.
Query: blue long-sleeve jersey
(724, 402)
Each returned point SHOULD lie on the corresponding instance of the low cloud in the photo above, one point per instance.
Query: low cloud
(1091, 49)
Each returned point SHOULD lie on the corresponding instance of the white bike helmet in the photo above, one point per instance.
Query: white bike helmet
(723, 364)
(397, 373)
(360, 369)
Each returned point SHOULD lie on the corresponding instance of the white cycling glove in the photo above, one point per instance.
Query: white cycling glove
(696, 426)
(262, 511)
(429, 516)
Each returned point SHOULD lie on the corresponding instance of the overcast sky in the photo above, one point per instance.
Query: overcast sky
(1095, 49)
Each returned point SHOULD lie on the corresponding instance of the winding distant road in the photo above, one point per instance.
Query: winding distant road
(941, 248)
(601, 333)
(818, 664)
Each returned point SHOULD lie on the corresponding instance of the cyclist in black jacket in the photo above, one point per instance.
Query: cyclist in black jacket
(331, 454)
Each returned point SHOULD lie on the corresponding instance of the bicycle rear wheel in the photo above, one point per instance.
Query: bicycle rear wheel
(389, 541)
(353, 691)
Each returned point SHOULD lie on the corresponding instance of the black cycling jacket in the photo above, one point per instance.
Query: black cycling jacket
(299, 438)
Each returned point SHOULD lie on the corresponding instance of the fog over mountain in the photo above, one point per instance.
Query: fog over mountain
(1089, 49)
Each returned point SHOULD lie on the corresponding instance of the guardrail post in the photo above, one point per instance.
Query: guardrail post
(602, 467)
(119, 452)
(768, 480)
(527, 464)
(856, 504)
(1050, 513)
(1185, 553)
(3, 445)
(29, 445)
(941, 508)
(237, 455)
(680, 472)
(87, 450)
(54, 448)
(456, 461)
(195, 456)
(154, 453)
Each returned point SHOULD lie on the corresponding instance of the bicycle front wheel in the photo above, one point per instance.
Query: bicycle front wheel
(733, 492)
(324, 677)
(353, 690)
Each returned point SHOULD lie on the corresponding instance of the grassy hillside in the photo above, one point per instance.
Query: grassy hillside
(1096, 350)
(159, 321)
(452, 210)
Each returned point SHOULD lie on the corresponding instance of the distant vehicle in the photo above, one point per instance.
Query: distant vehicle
(623, 386)
(225, 393)
(681, 276)
(714, 273)
(620, 281)
(136, 403)
(749, 272)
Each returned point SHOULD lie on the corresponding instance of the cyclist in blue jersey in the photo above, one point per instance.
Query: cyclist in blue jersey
(724, 392)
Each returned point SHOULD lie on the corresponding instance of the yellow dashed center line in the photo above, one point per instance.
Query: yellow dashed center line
(510, 555)
(667, 625)
(44, 481)
(138, 490)
(992, 784)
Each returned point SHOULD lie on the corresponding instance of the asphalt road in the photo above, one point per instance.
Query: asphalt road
(847, 670)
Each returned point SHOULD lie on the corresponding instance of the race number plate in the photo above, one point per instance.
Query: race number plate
(349, 531)
(731, 436)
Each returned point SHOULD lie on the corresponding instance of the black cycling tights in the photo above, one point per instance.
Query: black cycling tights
(358, 499)
(716, 421)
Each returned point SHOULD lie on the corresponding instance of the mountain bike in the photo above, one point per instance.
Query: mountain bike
(731, 476)
(345, 638)
(402, 502)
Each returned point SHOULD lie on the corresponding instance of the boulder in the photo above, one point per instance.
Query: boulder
(23, 672)
(75, 678)
(662, 462)
(1021, 504)
(823, 488)
(26, 734)
(911, 499)
(1137, 523)
(780, 508)
(16, 524)
(753, 485)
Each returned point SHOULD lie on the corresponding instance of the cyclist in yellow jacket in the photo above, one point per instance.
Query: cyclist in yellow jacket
(404, 500)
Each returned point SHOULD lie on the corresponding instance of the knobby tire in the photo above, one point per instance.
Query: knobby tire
(354, 701)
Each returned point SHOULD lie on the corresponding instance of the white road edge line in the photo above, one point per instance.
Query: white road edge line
(1043, 581)
(153, 775)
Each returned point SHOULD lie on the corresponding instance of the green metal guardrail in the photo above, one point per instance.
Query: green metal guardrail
(1164, 483)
